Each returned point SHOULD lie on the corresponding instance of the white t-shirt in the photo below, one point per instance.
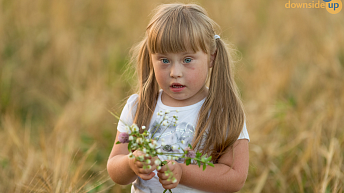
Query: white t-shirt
(170, 135)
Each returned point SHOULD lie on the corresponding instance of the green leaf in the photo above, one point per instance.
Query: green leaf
(211, 164)
(203, 158)
(198, 154)
(199, 163)
(188, 161)
(118, 142)
(208, 159)
(204, 166)
(170, 190)
(164, 191)
(164, 163)
(190, 146)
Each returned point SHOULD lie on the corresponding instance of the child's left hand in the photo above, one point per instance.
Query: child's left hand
(177, 171)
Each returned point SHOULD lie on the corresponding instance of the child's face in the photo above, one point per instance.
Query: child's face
(182, 76)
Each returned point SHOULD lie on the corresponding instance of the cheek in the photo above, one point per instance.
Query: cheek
(160, 76)
(197, 76)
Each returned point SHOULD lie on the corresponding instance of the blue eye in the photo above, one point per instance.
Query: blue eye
(165, 61)
(187, 60)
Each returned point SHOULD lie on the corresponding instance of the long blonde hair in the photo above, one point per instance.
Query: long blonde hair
(175, 28)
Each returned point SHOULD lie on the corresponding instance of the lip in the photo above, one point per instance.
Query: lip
(176, 87)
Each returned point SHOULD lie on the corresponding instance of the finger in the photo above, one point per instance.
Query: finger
(170, 186)
(147, 176)
(163, 168)
(153, 159)
(138, 164)
(148, 162)
(165, 182)
(168, 167)
(153, 162)
(149, 166)
(137, 153)
(162, 176)
(143, 171)
(153, 167)
(147, 169)
(171, 165)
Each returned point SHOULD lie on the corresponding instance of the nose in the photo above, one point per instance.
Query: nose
(176, 71)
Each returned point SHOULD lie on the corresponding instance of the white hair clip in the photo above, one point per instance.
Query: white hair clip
(216, 37)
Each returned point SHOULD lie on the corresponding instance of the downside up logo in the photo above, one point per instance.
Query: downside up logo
(332, 6)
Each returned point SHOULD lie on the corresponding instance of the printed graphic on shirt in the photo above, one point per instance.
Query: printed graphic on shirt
(173, 138)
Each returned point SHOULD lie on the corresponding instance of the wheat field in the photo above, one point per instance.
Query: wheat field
(63, 67)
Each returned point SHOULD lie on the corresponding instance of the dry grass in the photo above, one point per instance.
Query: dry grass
(61, 67)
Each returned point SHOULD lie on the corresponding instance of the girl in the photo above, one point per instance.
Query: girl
(178, 55)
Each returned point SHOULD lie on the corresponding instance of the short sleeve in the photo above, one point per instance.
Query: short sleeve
(128, 113)
(244, 133)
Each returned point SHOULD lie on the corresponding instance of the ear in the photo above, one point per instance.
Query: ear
(212, 59)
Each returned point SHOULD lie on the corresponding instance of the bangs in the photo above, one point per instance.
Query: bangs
(177, 30)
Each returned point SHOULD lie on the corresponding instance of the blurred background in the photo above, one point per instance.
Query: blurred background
(63, 66)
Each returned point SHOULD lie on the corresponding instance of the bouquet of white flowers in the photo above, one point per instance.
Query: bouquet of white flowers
(147, 144)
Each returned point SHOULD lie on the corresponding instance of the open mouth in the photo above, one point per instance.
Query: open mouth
(177, 86)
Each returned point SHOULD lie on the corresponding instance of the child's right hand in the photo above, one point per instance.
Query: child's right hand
(137, 166)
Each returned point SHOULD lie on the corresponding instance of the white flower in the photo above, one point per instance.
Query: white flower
(127, 128)
(177, 110)
(158, 113)
(183, 142)
(163, 143)
(147, 140)
(158, 168)
(149, 166)
(169, 157)
(147, 155)
(144, 150)
(139, 140)
(166, 117)
(148, 161)
(163, 139)
(131, 155)
(157, 162)
(176, 122)
(174, 147)
(143, 127)
(141, 158)
(167, 112)
(154, 143)
(158, 150)
(151, 145)
(166, 173)
(174, 158)
(134, 127)
(174, 180)
(165, 123)
(131, 138)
